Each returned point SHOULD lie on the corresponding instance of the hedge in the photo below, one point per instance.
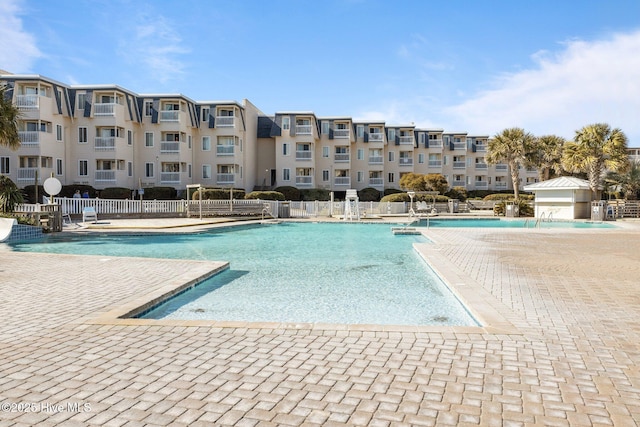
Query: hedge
(120, 193)
(312, 194)
(369, 194)
(219, 194)
(265, 195)
(290, 193)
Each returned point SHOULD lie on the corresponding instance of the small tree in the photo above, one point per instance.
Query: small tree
(9, 115)
(413, 181)
(546, 156)
(436, 182)
(10, 195)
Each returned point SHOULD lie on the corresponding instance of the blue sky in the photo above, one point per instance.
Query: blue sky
(550, 67)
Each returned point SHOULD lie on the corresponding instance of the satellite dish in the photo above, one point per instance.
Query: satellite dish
(52, 186)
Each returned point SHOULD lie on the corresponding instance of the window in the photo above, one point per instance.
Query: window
(360, 154)
(325, 127)
(286, 123)
(392, 134)
(421, 158)
(286, 175)
(129, 168)
(58, 132)
(148, 139)
(360, 131)
(82, 135)
(325, 151)
(83, 167)
(285, 149)
(205, 114)
(129, 137)
(360, 176)
(189, 170)
(148, 170)
(58, 167)
(325, 175)
(206, 143)
(148, 108)
(189, 141)
(391, 177)
(392, 156)
(206, 171)
(82, 99)
(4, 165)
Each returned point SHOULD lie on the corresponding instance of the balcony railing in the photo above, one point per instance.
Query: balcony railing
(406, 140)
(376, 137)
(459, 165)
(342, 180)
(376, 181)
(106, 176)
(501, 185)
(169, 116)
(170, 177)
(341, 157)
(481, 185)
(341, 133)
(29, 137)
(104, 143)
(225, 150)
(501, 168)
(169, 146)
(304, 155)
(376, 160)
(405, 162)
(435, 143)
(482, 166)
(435, 163)
(27, 102)
(225, 178)
(225, 121)
(303, 129)
(459, 145)
(458, 184)
(27, 174)
(481, 148)
(104, 109)
(304, 180)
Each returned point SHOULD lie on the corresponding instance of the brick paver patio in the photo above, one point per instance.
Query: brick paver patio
(564, 348)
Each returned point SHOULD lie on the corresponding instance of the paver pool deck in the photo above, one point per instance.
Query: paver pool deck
(569, 355)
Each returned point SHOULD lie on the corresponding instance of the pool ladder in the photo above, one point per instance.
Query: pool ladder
(542, 219)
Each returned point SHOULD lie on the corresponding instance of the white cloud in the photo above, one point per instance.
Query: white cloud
(586, 82)
(19, 49)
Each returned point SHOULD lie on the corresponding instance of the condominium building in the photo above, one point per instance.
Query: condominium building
(108, 136)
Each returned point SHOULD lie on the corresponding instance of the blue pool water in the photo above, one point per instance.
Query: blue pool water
(509, 223)
(292, 272)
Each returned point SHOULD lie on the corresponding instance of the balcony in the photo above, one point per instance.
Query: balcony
(482, 166)
(459, 165)
(376, 137)
(104, 143)
(341, 133)
(458, 184)
(407, 140)
(225, 121)
(27, 174)
(27, 102)
(481, 148)
(170, 116)
(481, 185)
(376, 160)
(405, 162)
(225, 150)
(169, 146)
(342, 157)
(435, 163)
(501, 168)
(303, 129)
(105, 176)
(225, 178)
(304, 180)
(377, 182)
(170, 177)
(435, 143)
(304, 155)
(104, 109)
(459, 145)
(342, 180)
(501, 185)
(29, 137)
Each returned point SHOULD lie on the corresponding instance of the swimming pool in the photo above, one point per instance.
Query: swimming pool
(508, 223)
(292, 272)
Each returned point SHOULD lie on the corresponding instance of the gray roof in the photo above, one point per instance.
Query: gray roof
(561, 183)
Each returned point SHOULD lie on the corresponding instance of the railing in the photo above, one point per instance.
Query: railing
(376, 137)
(341, 157)
(104, 109)
(129, 206)
(342, 180)
(458, 184)
(481, 148)
(27, 174)
(27, 102)
(169, 147)
(459, 165)
(405, 162)
(376, 160)
(501, 185)
(482, 166)
(303, 129)
(376, 181)
(104, 143)
(406, 140)
(225, 178)
(225, 150)
(169, 116)
(170, 177)
(435, 143)
(225, 121)
(435, 163)
(29, 137)
(304, 155)
(459, 145)
(304, 180)
(108, 176)
(501, 168)
(481, 185)
(341, 133)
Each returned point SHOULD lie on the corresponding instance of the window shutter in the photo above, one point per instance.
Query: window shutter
(154, 110)
(87, 103)
(292, 125)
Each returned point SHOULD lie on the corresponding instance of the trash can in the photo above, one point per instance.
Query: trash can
(597, 210)
(453, 205)
(511, 210)
(284, 210)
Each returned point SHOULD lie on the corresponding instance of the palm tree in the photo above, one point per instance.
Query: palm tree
(546, 156)
(9, 116)
(628, 182)
(511, 146)
(596, 147)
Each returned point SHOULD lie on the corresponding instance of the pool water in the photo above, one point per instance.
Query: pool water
(292, 272)
(509, 223)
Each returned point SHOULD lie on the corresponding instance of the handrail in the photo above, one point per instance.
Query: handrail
(539, 220)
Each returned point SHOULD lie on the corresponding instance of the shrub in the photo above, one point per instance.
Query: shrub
(396, 197)
(429, 199)
(524, 209)
(219, 194)
(290, 193)
(311, 194)
(369, 194)
(160, 193)
(459, 193)
(388, 191)
(10, 194)
(115, 193)
(265, 195)
(69, 190)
